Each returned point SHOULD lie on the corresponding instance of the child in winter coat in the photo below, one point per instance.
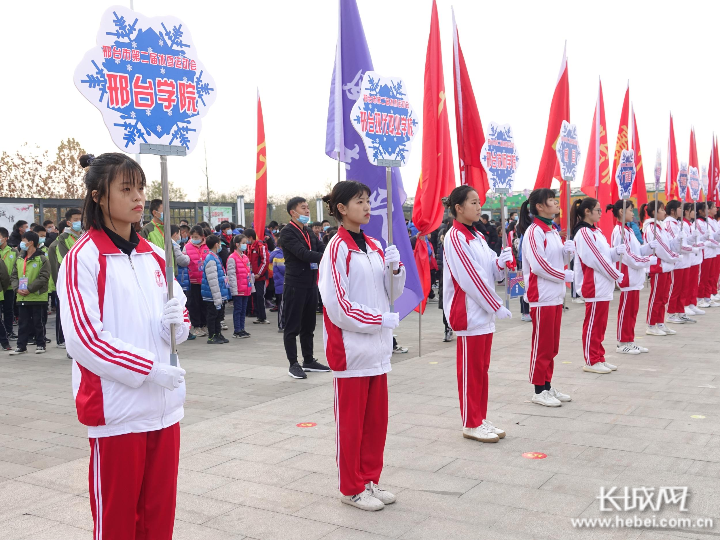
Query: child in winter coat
(240, 282)
(214, 290)
(277, 263)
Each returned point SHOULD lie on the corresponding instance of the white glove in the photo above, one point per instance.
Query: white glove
(172, 313)
(392, 257)
(569, 276)
(569, 246)
(167, 376)
(653, 244)
(620, 277)
(675, 245)
(505, 257)
(653, 260)
(620, 249)
(390, 320)
(503, 313)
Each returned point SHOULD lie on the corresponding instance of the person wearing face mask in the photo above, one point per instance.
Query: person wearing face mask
(57, 252)
(300, 291)
(52, 232)
(154, 232)
(214, 290)
(8, 255)
(197, 250)
(241, 284)
(184, 235)
(43, 248)
(30, 277)
(226, 241)
(18, 230)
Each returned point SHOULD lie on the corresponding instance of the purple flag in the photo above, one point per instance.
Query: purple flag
(352, 60)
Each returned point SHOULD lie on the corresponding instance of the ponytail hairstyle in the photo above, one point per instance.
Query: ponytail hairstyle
(100, 172)
(528, 209)
(579, 209)
(617, 208)
(673, 206)
(648, 210)
(343, 193)
(688, 207)
(457, 196)
(700, 208)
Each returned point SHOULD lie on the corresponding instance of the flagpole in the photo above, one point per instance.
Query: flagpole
(597, 144)
(338, 158)
(420, 329)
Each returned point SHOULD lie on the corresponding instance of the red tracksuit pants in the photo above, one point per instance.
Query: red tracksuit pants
(473, 361)
(690, 286)
(133, 484)
(659, 296)
(677, 282)
(715, 275)
(707, 272)
(627, 315)
(596, 316)
(361, 420)
(545, 342)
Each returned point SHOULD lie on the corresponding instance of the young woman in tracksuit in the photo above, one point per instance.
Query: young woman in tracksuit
(706, 235)
(113, 297)
(714, 232)
(678, 277)
(471, 305)
(544, 259)
(634, 262)
(692, 276)
(356, 279)
(595, 277)
(656, 237)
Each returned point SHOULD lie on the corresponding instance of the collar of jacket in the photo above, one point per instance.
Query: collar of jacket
(463, 229)
(582, 225)
(542, 224)
(352, 246)
(106, 246)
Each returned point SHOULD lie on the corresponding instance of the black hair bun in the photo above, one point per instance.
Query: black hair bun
(446, 202)
(86, 160)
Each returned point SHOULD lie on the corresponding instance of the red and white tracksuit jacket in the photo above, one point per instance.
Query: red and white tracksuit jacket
(634, 262)
(667, 258)
(355, 290)
(543, 265)
(704, 228)
(470, 303)
(672, 226)
(595, 272)
(469, 298)
(114, 303)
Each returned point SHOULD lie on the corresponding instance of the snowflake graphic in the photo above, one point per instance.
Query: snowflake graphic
(499, 157)
(96, 81)
(149, 49)
(567, 150)
(132, 114)
(117, 60)
(162, 70)
(134, 45)
(159, 128)
(148, 112)
(129, 67)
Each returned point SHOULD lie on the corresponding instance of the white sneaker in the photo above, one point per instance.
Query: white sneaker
(223, 326)
(713, 303)
(578, 300)
(687, 319)
(381, 495)
(653, 330)
(626, 348)
(665, 329)
(525, 317)
(610, 366)
(599, 367)
(480, 433)
(563, 398)
(676, 318)
(492, 429)
(715, 298)
(703, 303)
(695, 310)
(363, 501)
(639, 348)
(545, 399)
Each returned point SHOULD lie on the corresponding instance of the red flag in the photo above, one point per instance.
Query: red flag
(596, 177)
(422, 261)
(671, 172)
(438, 177)
(559, 110)
(638, 190)
(260, 176)
(692, 158)
(470, 135)
(621, 143)
(713, 174)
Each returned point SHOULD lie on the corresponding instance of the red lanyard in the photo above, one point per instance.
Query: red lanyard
(24, 266)
(306, 236)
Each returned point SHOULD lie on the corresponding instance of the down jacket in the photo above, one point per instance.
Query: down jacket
(239, 273)
(214, 285)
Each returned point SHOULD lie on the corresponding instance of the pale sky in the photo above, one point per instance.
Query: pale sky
(667, 50)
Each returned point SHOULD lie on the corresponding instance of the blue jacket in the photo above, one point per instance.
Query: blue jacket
(277, 259)
(214, 286)
(183, 277)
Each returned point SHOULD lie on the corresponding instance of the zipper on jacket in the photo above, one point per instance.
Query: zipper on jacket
(162, 418)
(377, 296)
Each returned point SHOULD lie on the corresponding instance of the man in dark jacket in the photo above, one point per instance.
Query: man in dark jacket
(490, 233)
(300, 294)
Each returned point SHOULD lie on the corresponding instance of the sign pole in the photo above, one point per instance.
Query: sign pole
(338, 160)
(420, 332)
(622, 231)
(505, 244)
(388, 178)
(569, 198)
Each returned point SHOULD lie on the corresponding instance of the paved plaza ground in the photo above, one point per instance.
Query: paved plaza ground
(247, 471)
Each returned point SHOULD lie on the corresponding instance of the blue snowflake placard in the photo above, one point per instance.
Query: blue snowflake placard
(145, 77)
(567, 150)
(694, 183)
(499, 157)
(682, 181)
(704, 179)
(384, 118)
(658, 170)
(625, 175)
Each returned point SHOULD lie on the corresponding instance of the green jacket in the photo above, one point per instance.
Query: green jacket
(4, 281)
(37, 270)
(155, 235)
(57, 251)
(8, 255)
(51, 283)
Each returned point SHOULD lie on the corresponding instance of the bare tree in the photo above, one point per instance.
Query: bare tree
(154, 191)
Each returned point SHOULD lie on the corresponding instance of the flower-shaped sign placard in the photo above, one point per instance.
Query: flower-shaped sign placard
(385, 120)
(499, 158)
(625, 175)
(658, 170)
(568, 150)
(694, 183)
(704, 179)
(145, 77)
(682, 181)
